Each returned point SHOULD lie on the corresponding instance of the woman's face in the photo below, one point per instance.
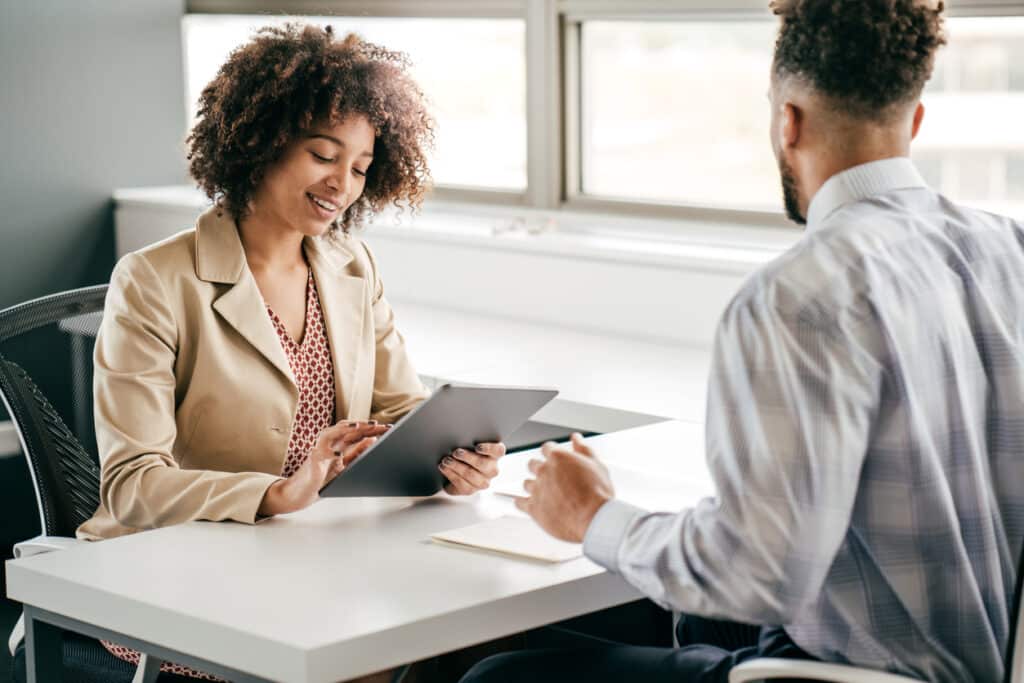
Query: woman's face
(319, 176)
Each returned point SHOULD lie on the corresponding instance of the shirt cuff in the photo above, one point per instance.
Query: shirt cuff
(607, 530)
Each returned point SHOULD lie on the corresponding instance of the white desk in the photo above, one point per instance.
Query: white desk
(607, 383)
(344, 588)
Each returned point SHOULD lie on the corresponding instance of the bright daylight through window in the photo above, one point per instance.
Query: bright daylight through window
(971, 146)
(472, 70)
(669, 111)
(676, 111)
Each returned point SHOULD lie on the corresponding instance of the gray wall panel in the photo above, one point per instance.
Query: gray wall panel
(93, 99)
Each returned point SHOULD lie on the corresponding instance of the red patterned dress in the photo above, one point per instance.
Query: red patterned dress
(311, 364)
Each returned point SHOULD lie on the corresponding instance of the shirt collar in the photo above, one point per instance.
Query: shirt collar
(861, 182)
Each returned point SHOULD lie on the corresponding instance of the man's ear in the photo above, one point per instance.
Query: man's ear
(918, 118)
(791, 122)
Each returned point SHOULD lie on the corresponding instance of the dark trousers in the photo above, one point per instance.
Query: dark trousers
(707, 650)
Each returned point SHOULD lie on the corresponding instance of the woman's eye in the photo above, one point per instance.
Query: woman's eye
(318, 157)
(361, 174)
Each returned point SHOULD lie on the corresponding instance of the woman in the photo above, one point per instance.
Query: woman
(229, 353)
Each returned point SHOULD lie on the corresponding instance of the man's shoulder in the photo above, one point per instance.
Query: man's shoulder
(859, 253)
(816, 281)
(788, 281)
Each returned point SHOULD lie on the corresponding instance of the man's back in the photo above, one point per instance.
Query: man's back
(865, 428)
(929, 300)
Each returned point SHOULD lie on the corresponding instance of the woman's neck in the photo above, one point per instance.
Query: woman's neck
(270, 246)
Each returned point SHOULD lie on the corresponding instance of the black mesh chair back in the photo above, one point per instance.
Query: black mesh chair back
(46, 350)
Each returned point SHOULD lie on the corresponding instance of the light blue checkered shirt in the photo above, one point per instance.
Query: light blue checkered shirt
(865, 432)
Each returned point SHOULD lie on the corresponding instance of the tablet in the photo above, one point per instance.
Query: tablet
(404, 461)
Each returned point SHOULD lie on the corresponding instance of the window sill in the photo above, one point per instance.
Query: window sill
(724, 247)
(659, 281)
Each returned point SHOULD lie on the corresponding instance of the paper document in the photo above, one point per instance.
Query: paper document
(519, 536)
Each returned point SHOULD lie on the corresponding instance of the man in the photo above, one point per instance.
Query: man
(865, 410)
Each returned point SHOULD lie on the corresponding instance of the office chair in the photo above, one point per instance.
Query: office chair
(46, 350)
(769, 668)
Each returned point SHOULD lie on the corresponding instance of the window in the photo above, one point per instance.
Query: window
(1015, 178)
(972, 140)
(677, 111)
(653, 107)
(472, 70)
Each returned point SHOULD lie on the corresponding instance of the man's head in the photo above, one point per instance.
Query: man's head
(847, 77)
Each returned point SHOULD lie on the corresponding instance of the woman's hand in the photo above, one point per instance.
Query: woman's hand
(471, 471)
(335, 448)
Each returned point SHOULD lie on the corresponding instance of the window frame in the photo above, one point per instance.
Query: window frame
(553, 111)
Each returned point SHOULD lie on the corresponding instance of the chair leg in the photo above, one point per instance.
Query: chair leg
(149, 669)
(44, 650)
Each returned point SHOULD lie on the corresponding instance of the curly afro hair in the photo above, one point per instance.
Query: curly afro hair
(870, 57)
(286, 78)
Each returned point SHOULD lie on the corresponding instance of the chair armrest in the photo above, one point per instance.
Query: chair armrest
(44, 544)
(768, 668)
(17, 634)
(36, 546)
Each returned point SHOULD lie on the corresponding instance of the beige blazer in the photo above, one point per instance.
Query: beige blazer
(194, 399)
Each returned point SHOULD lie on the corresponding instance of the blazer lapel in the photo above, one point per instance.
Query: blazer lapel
(221, 259)
(242, 307)
(343, 303)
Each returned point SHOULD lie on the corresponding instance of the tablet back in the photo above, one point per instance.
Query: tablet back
(404, 461)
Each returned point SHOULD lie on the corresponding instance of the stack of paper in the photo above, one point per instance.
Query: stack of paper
(518, 536)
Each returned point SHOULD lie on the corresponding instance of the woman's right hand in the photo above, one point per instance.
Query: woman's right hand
(335, 448)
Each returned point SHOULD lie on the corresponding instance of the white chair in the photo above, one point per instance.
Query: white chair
(768, 668)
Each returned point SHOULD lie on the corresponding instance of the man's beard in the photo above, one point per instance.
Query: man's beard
(790, 195)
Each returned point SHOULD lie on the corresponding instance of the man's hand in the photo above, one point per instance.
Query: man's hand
(570, 487)
(335, 448)
(471, 471)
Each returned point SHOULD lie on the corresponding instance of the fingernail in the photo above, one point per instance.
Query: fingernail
(446, 461)
(372, 423)
(460, 451)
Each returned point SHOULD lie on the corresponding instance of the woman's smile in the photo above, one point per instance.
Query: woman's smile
(322, 207)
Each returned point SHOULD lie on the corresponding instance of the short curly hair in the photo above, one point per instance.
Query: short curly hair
(282, 82)
(869, 57)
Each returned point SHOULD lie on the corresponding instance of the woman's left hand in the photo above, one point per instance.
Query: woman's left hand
(469, 471)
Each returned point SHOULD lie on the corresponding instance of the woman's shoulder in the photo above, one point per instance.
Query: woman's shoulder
(168, 256)
(166, 267)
